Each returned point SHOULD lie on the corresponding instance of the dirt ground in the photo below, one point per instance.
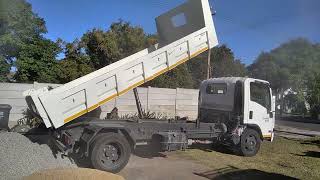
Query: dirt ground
(162, 167)
(282, 159)
(285, 156)
(146, 164)
(73, 174)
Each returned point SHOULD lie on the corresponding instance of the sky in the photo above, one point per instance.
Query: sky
(248, 27)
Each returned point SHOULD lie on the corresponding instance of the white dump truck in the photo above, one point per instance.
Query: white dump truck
(238, 112)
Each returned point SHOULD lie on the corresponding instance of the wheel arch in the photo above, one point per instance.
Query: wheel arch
(93, 132)
(256, 128)
(124, 132)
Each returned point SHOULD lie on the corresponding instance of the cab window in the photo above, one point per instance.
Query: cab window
(217, 88)
(260, 93)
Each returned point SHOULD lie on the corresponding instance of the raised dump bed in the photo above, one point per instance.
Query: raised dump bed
(184, 32)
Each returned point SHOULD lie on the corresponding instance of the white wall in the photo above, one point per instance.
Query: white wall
(168, 102)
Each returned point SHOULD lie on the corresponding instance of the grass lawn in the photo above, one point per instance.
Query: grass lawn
(281, 159)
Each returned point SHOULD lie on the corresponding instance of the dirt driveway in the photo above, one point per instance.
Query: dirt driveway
(286, 156)
(146, 164)
(38, 156)
(162, 167)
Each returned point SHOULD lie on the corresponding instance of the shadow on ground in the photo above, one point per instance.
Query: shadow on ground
(148, 152)
(315, 142)
(217, 148)
(315, 154)
(233, 173)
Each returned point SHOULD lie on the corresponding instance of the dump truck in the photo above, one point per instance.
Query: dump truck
(233, 111)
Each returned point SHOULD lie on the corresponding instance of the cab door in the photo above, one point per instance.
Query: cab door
(260, 108)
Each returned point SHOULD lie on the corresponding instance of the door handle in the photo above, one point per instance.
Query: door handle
(250, 114)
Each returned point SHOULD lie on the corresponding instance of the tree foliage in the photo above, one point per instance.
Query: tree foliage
(295, 104)
(313, 95)
(75, 64)
(4, 69)
(289, 66)
(37, 61)
(121, 40)
(223, 64)
(22, 44)
(180, 77)
(19, 25)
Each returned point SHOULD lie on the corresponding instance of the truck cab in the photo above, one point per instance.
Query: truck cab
(239, 103)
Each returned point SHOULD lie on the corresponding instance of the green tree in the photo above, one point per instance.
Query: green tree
(180, 77)
(313, 95)
(4, 69)
(130, 39)
(18, 25)
(102, 47)
(37, 61)
(288, 66)
(122, 40)
(75, 64)
(293, 102)
(22, 43)
(223, 64)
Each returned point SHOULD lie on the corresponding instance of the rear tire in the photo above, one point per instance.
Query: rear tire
(250, 142)
(110, 152)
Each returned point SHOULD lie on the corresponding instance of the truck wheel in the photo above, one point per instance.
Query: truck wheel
(110, 152)
(250, 142)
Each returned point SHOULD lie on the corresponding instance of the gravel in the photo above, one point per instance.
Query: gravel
(21, 157)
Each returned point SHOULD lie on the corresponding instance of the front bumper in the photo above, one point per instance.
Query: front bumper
(269, 137)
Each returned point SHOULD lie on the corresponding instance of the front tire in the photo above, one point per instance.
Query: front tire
(110, 152)
(250, 142)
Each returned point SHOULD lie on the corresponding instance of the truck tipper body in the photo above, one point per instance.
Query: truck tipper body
(184, 32)
(233, 111)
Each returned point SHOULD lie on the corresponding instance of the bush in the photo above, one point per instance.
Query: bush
(29, 120)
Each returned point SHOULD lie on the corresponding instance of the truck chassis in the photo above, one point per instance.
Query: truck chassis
(108, 143)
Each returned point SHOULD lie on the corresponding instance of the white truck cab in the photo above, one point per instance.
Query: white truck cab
(240, 103)
(259, 106)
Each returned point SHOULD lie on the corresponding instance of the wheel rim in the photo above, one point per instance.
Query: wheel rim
(250, 143)
(111, 154)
